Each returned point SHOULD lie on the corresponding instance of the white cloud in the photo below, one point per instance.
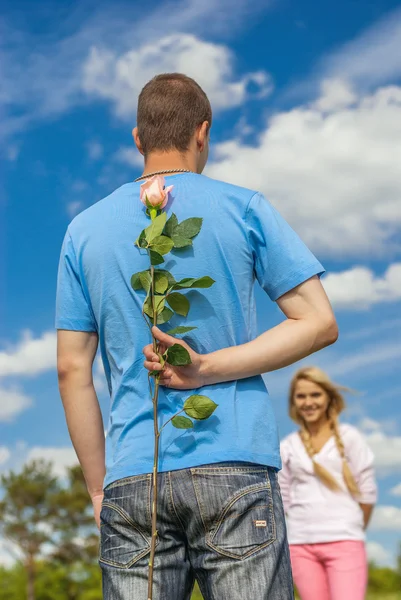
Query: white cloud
(129, 156)
(75, 207)
(79, 186)
(120, 77)
(396, 491)
(373, 58)
(50, 83)
(385, 446)
(333, 175)
(368, 425)
(386, 518)
(95, 150)
(387, 451)
(378, 554)
(12, 403)
(60, 457)
(99, 377)
(31, 356)
(12, 152)
(335, 95)
(9, 553)
(4, 454)
(366, 360)
(359, 288)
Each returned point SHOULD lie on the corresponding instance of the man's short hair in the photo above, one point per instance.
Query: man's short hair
(170, 108)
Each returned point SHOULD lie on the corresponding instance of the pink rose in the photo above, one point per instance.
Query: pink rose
(154, 194)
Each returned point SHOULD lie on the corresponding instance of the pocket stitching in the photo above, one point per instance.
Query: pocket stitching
(244, 556)
(126, 481)
(271, 512)
(126, 517)
(124, 565)
(228, 469)
(220, 521)
(256, 487)
(130, 522)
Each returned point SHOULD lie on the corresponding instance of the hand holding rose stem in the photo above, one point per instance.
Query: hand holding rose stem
(160, 286)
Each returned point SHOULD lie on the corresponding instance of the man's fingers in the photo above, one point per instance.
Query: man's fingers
(152, 366)
(150, 354)
(164, 338)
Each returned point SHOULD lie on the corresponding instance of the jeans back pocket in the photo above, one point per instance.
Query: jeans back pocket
(125, 522)
(236, 506)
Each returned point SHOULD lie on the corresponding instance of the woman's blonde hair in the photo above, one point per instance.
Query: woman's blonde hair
(336, 406)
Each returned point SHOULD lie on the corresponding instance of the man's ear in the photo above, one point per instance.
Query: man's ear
(137, 140)
(203, 132)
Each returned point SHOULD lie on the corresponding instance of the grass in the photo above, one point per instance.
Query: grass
(397, 596)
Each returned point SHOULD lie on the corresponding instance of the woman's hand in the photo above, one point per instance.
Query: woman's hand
(179, 378)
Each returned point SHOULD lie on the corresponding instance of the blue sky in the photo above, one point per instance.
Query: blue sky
(307, 101)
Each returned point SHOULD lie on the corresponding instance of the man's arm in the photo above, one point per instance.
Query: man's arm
(76, 351)
(309, 327)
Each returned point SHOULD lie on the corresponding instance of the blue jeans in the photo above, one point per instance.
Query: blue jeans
(221, 524)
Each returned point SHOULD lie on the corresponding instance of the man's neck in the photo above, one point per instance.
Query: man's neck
(168, 161)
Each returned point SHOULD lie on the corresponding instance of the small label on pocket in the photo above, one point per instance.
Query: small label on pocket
(260, 523)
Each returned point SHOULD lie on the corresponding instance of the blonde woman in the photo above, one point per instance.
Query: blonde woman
(328, 489)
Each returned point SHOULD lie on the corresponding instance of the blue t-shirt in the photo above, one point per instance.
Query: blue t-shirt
(242, 237)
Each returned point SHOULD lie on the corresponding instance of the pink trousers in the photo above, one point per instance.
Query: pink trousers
(332, 571)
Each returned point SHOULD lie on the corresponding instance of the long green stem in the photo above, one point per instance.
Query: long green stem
(152, 274)
(156, 452)
(170, 419)
(155, 492)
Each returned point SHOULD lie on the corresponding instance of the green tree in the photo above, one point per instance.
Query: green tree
(13, 582)
(75, 533)
(383, 580)
(27, 512)
(76, 540)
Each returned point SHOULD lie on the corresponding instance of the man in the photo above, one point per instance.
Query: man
(220, 515)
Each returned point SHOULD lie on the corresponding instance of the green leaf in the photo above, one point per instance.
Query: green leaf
(178, 356)
(182, 423)
(181, 242)
(141, 240)
(199, 407)
(136, 282)
(170, 277)
(147, 307)
(170, 225)
(162, 244)
(189, 228)
(191, 282)
(164, 316)
(155, 258)
(159, 303)
(161, 282)
(179, 330)
(146, 280)
(179, 303)
(155, 228)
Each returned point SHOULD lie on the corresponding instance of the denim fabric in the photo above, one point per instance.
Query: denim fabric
(222, 524)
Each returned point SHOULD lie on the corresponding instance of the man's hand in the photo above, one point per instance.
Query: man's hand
(179, 378)
(97, 507)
